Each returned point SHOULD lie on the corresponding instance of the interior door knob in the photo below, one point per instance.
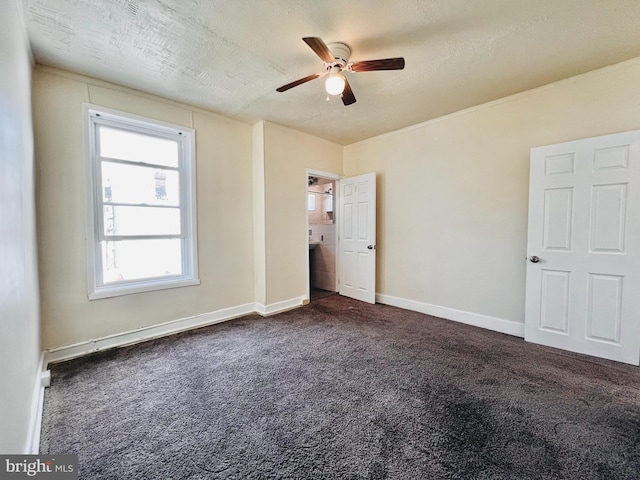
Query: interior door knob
(371, 247)
(534, 259)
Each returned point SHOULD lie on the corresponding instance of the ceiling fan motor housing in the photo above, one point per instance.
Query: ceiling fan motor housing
(341, 52)
(335, 58)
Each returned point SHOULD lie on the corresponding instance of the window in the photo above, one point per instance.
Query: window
(311, 201)
(141, 221)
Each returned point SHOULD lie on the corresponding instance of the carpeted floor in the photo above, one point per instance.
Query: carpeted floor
(339, 389)
(318, 293)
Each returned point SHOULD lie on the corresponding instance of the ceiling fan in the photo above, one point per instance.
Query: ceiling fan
(335, 57)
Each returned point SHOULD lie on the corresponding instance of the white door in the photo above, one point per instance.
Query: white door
(357, 237)
(583, 270)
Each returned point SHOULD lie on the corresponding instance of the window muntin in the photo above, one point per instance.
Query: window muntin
(137, 185)
(121, 144)
(127, 221)
(142, 212)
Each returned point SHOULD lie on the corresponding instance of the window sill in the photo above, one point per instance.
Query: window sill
(140, 287)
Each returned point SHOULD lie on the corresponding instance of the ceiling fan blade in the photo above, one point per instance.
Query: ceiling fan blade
(382, 64)
(286, 87)
(347, 95)
(321, 49)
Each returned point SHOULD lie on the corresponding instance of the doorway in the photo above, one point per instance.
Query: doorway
(341, 235)
(322, 264)
(583, 247)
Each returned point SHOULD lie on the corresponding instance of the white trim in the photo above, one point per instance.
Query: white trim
(476, 319)
(32, 445)
(319, 173)
(279, 307)
(113, 114)
(94, 116)
(171, 327)
(146, 333)
(141, 287)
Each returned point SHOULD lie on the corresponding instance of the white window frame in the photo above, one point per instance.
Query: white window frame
(96, 115)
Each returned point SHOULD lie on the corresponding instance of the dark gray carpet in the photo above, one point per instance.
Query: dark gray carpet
(318, 293)
(344, 390)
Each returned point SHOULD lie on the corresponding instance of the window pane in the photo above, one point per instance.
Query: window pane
(141, 221)
(137, 147)
(140, 259)
(132, 184)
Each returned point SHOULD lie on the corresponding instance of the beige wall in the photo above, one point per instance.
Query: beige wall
(287, 155)
(453, 193)
(19, 316)
(251, 211)
(452, 200)
(225, 206)
(259, 226)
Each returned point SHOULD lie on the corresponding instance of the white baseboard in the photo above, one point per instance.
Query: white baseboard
(32, 445)
(175, 326)
(146, 333)
(278, 307)
(469, 318)
(131, 337)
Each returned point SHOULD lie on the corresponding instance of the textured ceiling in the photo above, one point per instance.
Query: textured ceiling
(229, 56)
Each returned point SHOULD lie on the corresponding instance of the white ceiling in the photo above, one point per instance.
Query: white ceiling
(229, 56)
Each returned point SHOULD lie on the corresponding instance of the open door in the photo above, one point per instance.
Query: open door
(357, 237)
(583, 270)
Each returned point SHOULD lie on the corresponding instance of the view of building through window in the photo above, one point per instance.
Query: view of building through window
(139, 200)
(142, 204)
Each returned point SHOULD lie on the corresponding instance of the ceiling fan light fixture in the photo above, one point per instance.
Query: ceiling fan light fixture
(335, 58)
(334, 85)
